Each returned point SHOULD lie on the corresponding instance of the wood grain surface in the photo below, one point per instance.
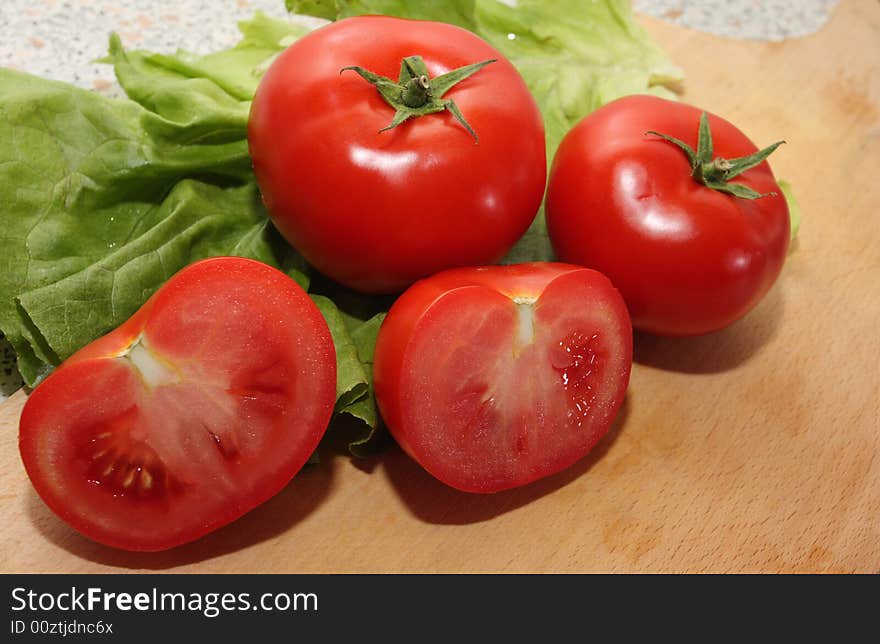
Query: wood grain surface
(754, 449)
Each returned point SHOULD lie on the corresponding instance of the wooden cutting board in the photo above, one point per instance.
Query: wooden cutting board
(751, 450)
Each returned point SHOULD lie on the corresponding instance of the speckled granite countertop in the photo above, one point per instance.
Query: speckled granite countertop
(60, 39)
(746, 19)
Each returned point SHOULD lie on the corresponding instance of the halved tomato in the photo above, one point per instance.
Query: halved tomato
(493, 377)
(201, 406)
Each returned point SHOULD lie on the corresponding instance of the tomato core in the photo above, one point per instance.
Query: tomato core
(150, 366)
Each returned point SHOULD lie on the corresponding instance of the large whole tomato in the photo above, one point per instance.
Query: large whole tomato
(455, 182)
(201, 406)
(690, 246)
(493, 377)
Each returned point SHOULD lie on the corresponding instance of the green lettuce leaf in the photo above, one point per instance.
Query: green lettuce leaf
(108, 198)
(354, 320)
(351, 377)
(84, 178)
(363, 335)
(196, 220)
(230, 76)
(794, 208)
(355, 342)
(456, 12)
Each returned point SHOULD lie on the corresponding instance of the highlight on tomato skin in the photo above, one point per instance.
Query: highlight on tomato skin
(494, 377)
(201, 406)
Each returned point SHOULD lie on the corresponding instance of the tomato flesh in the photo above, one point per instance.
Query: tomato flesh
(494, 377)
(201, 406)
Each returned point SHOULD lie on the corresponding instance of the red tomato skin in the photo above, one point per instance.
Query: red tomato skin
(410, 310)
(378, 210)
(67, 400)
(688, 260)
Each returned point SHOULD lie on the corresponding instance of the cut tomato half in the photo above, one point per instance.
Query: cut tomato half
(201, 406)
(494, 377)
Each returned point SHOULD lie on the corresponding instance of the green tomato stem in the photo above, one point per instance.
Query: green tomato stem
(717, 172)
(416, 93)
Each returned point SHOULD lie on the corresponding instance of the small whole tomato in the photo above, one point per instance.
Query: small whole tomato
(493, 377)
(201, 406)
(388, 149)
(680, 210)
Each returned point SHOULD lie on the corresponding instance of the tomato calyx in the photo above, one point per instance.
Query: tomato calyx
(417, 94)
(716, 172)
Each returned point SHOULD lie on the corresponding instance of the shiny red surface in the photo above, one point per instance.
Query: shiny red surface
(376, 211)
(688, 259)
